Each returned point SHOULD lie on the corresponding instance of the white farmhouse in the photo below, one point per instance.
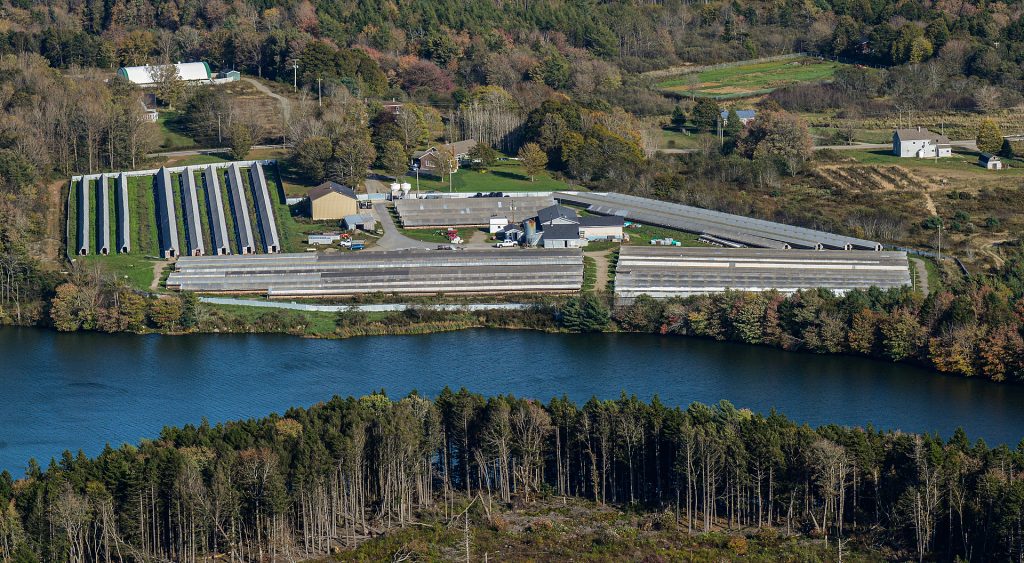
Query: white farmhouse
(920, 143)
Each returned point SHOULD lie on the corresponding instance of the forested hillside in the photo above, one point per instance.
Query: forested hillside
(312, 481)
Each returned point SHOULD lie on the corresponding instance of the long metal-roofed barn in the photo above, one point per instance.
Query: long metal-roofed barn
(193, 222)
(465, 212)
(166, 217)
(240, 211)
(215, 204)
(667, 271)
(103, 215)
(124, 242)
(746, 231)
(400, 272)
(264, 209)
(83, 216)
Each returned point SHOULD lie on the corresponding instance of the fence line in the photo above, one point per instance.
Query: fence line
(368, 308)
(173, 169)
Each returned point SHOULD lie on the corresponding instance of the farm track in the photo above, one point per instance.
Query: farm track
(922, 274)
(601, 259)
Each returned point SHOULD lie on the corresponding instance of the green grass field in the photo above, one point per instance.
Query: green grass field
(643, 235)
(672, 139)
(137, 270)
(431, 235)
(506, 177)
(749, 79)
(173, 137)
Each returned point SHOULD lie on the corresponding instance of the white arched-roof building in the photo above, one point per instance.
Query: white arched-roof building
(146, 75)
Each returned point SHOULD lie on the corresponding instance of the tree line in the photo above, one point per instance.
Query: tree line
(315, 480)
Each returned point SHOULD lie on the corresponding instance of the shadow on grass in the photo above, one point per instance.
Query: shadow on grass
(510, 175)
(176, 124)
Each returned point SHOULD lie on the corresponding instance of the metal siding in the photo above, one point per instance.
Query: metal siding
(124, 243)
(746, 230)
(83, 216)
(215, 204)
(193, 223)
(166, 215)
(663, 272)
(421, 271)
(103, 215)
(264, 209)
(467, 211)
(240, 209)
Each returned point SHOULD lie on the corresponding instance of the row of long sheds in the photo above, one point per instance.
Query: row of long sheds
(194, 195)
(722, 228)
(397, 272)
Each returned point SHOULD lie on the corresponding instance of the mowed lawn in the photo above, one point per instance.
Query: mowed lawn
(506, 177)
(750, 79)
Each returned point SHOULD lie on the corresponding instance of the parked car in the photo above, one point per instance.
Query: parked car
(506, 244)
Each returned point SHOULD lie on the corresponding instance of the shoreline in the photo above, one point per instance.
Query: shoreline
(377, 328)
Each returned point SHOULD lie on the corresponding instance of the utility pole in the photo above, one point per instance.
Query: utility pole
(295, 76)
(319, 95)
(219, 139)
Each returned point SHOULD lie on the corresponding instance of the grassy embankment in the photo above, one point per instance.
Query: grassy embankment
(347, 324)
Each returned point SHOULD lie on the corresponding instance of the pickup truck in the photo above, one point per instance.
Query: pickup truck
(506, 244)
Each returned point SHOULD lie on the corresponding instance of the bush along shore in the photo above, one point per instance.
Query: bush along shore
(374, 478)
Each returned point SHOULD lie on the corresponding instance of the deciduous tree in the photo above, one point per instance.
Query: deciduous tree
(534, 159)
(990, 136)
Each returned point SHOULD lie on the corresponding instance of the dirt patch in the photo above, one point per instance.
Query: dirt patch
(49, 248)
(602, 263)
(158, 270)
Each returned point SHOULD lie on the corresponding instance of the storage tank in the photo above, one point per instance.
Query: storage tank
(530, 227)
(406, 188)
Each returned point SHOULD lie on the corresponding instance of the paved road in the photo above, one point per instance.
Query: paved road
(215, 150)
(393, 239)
(379, 308)
(377, 184)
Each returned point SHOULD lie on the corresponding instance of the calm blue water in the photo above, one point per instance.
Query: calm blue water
(71, 391)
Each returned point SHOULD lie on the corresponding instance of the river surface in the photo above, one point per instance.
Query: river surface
(82, 390)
